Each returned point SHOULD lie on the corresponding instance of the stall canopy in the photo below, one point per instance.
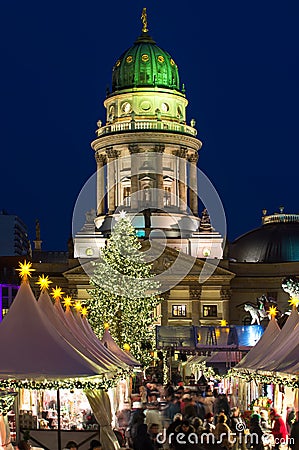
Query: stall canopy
(32, 347)
(281, 346)
(283, 356)
(126, 357)
(261, 348)
(67, 326)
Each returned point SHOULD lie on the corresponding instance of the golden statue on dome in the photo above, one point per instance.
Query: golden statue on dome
(144, 20)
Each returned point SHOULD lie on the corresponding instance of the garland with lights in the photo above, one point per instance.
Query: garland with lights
(124, 295)
(73, 383)
(265, 378)
(7, 400)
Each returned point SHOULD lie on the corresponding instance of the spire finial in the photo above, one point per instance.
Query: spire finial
(144, 21)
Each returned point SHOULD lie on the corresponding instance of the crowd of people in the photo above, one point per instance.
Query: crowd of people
(205, 420)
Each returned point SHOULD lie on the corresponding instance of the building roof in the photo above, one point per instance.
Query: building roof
(145, 65)
(277, 240)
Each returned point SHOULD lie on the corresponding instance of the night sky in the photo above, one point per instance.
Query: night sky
(238, 59)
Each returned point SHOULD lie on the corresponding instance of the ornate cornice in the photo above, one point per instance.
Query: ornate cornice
(144, 137)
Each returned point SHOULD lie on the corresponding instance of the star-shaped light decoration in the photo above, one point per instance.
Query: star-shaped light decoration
(106, 325)
(273, 311)
(84, 311)
(25, 270)
(78, 306)
(43, 282)
(126, 347)
(223, 323)
(67, 301)
(57, 293)
(122, 215)
(294, 302)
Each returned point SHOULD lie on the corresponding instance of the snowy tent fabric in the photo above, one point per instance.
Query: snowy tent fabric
(108, 341)
(261, 348)
(31, 347)
(100, 356)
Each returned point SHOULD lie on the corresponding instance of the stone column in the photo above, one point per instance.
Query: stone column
(112, 154)
(159, 150)
(193, 198)
(182, 153)
(101, 159)
(134, 150)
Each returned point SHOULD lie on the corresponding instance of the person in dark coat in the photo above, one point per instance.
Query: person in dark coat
(170, 432)
(294, 436)
(256, 432)
(186, 437)
(142, 440)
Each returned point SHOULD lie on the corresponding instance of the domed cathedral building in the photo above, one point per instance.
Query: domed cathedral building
(146, 155)
(146, 158)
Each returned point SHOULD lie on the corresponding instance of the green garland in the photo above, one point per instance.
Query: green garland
(6, 402)
(273, 378)
(76, 383)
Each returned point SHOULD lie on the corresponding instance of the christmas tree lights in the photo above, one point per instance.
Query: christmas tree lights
(124, 293)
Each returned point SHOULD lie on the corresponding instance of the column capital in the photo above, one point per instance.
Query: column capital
(181, 152)
(112, 153)
(193, 158)
(159, 148)
(133, 148)
(100, 158)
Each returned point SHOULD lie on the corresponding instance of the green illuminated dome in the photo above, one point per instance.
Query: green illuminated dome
(145, 65)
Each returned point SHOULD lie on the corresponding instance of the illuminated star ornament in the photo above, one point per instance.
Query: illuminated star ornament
(126, 347)
(273, 311)
(294, 302)
(57, 293)
(67, 301)
(84, 311)
(223, 323)
(106, 325)
(43, 282)
(122, 215)
(78, 306)
(25, 270)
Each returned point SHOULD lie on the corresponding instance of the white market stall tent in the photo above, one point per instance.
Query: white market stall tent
(39, 348)
(274, 360)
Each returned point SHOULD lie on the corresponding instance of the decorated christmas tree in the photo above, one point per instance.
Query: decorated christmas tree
(124, 294)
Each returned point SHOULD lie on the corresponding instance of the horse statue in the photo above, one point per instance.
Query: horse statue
(259, 311)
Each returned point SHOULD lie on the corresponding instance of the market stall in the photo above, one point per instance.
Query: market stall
(38, 353)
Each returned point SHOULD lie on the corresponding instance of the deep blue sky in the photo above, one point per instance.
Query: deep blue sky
(238, 59)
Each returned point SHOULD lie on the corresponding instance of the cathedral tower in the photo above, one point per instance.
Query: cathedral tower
(147, 155)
